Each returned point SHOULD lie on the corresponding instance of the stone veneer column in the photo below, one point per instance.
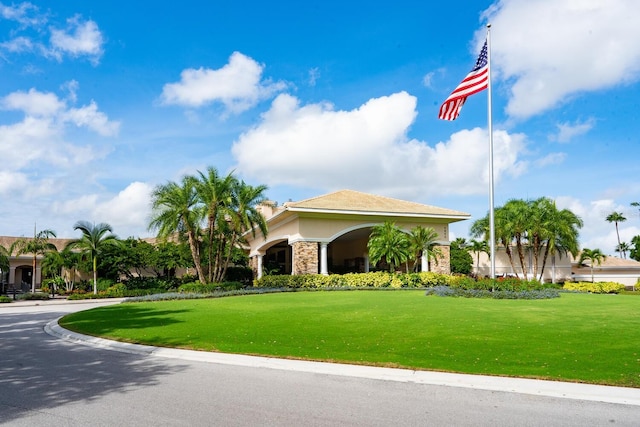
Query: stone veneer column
(305, 258)
(444, 261)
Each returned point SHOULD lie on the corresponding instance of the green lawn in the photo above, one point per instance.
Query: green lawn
(577, 337)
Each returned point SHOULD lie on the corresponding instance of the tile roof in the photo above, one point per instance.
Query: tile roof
(355, 201)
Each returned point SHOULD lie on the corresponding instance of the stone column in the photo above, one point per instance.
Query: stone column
(324, 268)
(305, 258)
(259, 266)
(424, 262)
(443, 265)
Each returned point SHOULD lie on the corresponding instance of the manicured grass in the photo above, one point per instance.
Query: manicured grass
(577, 337)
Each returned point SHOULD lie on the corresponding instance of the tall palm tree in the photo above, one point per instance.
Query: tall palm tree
(38, 245)
(503, 233)
(244, 217)
(636, 205)
(623, 248)
(176, 211)
(559, 234)
(616, 217)
(517, 216)
(422, 241)
(92, 243)
(389, 242)
(216, 194)
(594, 256)
(478, 247)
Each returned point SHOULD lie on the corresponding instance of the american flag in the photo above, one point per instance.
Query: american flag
(476, 81)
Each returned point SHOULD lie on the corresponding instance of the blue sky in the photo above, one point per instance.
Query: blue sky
(102, 101)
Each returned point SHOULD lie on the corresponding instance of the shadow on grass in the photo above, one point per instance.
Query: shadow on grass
(39, 372)
(104, 320)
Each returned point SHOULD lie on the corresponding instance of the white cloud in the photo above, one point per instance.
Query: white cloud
(237, 85)
(568, 131)
(314, 75)
(33, 103)
(551, 159)
(80, 38)
(95, 120)
(129, 211)
(597, 232)
(367, 148)
(39, 136)
(12, 182)
(18, 45)
(553, 50)
(427, 80)
(24, 13)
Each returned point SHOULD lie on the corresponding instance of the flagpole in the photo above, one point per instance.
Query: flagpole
(492, 232)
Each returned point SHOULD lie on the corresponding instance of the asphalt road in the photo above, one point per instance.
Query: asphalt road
(47, 381)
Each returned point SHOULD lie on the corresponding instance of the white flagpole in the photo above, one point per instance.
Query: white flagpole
(492, 232)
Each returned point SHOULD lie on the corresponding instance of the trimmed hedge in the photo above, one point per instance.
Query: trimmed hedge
(595, 288)
(381, 279)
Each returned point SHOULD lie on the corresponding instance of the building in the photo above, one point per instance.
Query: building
(329, 233)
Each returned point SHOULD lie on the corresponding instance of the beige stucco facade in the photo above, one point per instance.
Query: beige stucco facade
(329, 234)
(23, 268)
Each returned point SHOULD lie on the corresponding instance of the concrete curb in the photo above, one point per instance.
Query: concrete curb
(597, 393)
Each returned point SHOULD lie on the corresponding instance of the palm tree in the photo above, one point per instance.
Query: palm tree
(216, 194)
(389, 242)
(503, 233)
(623, 248)
(478, 247)
(92, 243)
(559, 233)
(176, 211)
(244, 217)
(616, 217)
(636, 205)
(38, 245)
(594, 256)
(422, 242)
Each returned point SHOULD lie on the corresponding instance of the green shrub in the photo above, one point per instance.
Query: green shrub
(595, 288)
(4, 299)
(199, 288)
(152, 283)
(117, 290)
(33, 296)
(239, 274)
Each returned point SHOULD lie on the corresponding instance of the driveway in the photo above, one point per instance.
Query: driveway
(48, 381)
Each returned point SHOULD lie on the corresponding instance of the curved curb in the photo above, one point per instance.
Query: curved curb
(590, 392)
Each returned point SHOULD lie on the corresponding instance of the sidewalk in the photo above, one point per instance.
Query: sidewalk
(57, 301)
(589, 392)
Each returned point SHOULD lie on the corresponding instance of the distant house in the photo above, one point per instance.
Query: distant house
(329, 233)
(561, 268)
(21, 266)
(612, 269)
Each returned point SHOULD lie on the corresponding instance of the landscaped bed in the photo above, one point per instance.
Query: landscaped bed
(577, 337)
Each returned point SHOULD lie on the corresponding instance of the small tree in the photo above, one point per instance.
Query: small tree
(594, 256)
(478, 247)
(623, 248)
(92, 243)
(39, 245)
(389, 242)
(460, 259)
(422, 241)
